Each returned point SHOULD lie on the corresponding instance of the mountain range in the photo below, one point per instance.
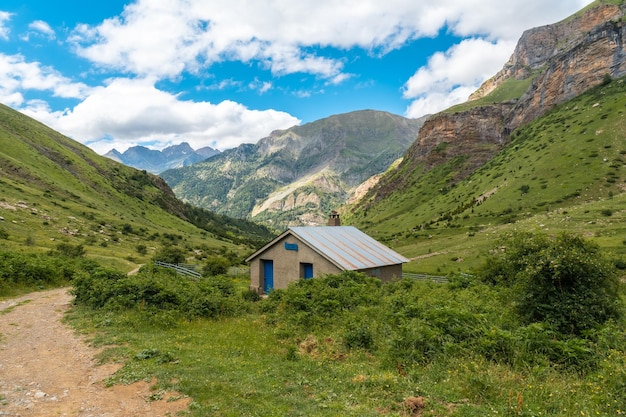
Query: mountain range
(155, 161)
(297, 176)
(538, 147)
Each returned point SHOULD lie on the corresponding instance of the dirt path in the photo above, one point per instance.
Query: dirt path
(47, 370)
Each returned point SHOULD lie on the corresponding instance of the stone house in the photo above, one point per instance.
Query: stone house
(308, 252)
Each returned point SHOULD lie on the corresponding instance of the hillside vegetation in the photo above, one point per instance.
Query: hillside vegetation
(56, 191)
(564, 171)
(512, 341)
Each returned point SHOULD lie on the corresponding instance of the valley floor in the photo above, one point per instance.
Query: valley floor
(48, 370)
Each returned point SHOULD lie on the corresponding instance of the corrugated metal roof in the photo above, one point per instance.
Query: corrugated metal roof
(348, 247)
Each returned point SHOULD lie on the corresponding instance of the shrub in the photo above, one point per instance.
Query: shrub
(170, 255)
(156, 291)
(141, 249)
(250, 295)
(564, 281)
(322, 301)
(69, 250)
(358, 335)
(35, 271)
(215, 265)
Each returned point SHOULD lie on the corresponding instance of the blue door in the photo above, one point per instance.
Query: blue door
(308, 271)
(268, 276)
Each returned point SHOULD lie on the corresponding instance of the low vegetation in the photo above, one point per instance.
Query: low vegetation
(351, 345)
(54, 191)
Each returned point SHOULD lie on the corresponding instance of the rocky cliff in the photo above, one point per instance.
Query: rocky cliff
(564, 60)
(558, 61)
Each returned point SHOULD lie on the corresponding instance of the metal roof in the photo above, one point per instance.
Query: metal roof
(347, 247)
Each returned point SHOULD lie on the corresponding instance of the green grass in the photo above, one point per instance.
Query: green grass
(237, 367)
(510, 89)
(261, 363)
(561, 172)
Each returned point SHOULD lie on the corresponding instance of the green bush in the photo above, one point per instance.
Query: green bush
(155, 290)
(323, 301)
(20, 271)
(141, 249)
(564, 281)
(358, 335)
(69, 250)
(215, 265)
(170, 255)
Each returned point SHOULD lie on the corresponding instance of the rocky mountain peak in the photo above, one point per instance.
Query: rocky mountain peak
(558, 62)
(538, 46)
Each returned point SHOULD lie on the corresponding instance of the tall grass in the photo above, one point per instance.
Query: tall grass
(349, 345)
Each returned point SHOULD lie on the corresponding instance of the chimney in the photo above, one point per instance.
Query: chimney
(334, 220)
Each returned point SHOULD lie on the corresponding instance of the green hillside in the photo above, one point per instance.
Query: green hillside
(565, 171)
(54, 190)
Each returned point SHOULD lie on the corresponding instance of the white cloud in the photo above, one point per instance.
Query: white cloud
(260, 86)
(18, 76)
(43, 28)
(4, 31)
(450, 76)
(165, 37)
(134, 112)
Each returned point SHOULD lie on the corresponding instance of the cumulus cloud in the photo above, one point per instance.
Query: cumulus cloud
(451, 76)
(42, 27)
(17, 75)
(129, 112)
(277, 32)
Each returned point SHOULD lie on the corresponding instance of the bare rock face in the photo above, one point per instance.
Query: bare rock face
(539, 45)
(601, 55)
(566, 59)
(451, 134)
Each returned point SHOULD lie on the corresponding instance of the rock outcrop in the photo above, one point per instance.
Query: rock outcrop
(480, 131)
(539, 45)
(562, 60)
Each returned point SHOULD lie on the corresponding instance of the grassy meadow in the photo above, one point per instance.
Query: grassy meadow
(348, 345)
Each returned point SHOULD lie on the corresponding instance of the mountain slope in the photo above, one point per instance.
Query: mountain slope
(539, 75)
(296, 176)
(154, 161)
(54, 189)
(540, 148)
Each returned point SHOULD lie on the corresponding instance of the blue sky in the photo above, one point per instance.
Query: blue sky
(115, 74)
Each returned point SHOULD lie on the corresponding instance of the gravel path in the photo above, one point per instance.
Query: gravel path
(47, 370)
